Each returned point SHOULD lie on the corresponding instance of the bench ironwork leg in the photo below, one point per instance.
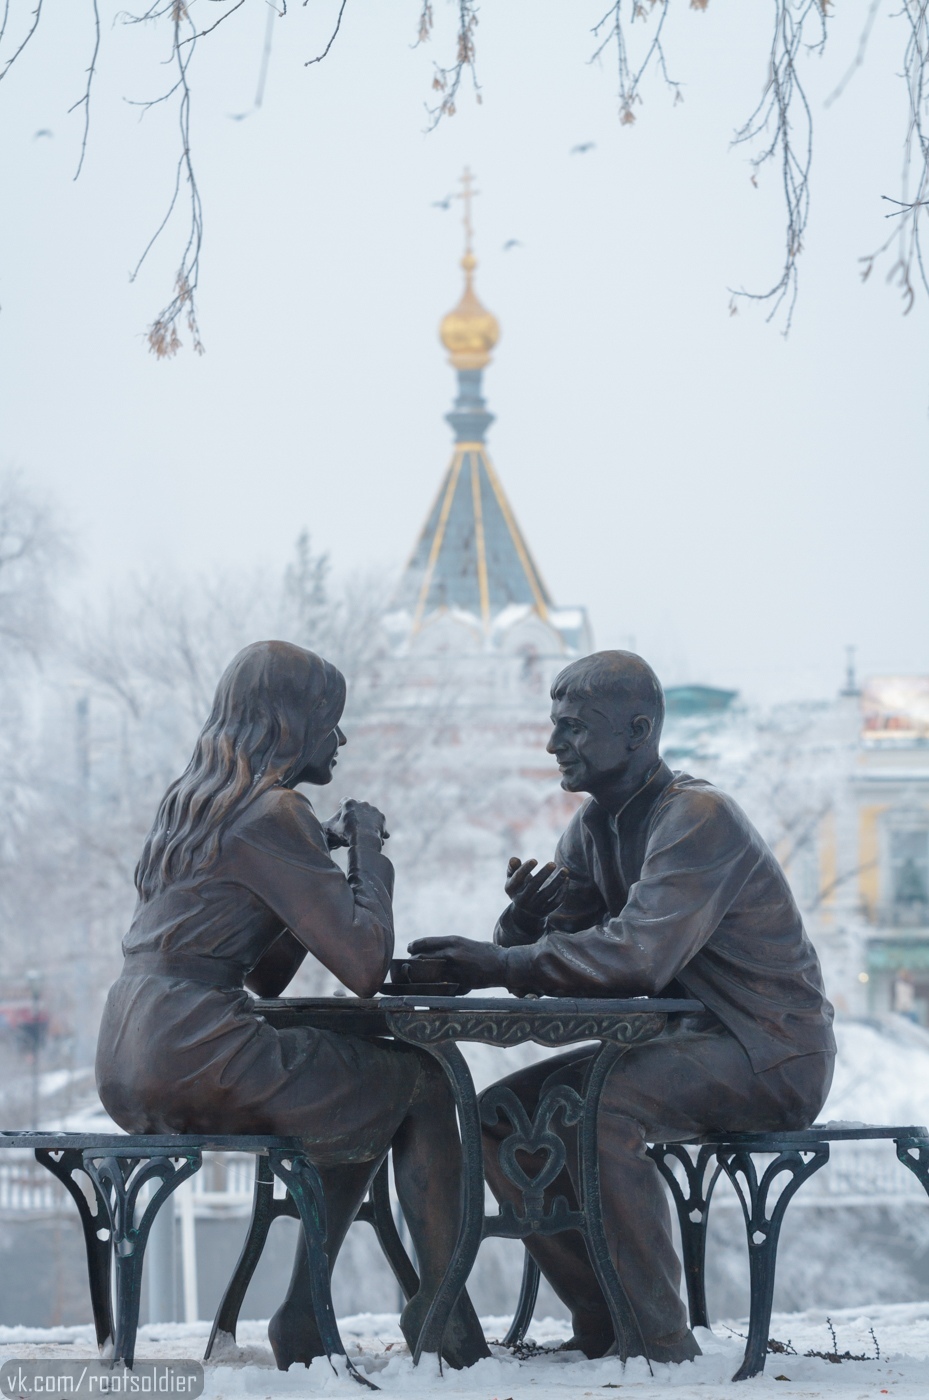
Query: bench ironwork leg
(306, 1189)
(265, 1210)
(377, 1212)
(693, 1209)
(528, 1294)
(118, 1181)
(913, 1152)
(763, 1228)
(95, 1225)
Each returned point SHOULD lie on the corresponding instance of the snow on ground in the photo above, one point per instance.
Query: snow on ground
(247, 1370)
(881, 1072)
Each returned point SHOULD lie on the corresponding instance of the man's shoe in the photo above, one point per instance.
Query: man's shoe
(676, 1347)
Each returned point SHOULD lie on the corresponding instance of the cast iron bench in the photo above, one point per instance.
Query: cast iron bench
(798, 1154)
(104, 1173)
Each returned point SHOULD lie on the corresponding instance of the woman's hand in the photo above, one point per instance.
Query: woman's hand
(353, 822)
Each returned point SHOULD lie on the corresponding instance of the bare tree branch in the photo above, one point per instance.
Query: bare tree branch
(191, 39)
(447, 81)
(909, 266)
(611, 30)
(85, 100)
(783, 121)
(36, 16)
(859, 56)
(163, 338)
(424, 26)
(332, 38)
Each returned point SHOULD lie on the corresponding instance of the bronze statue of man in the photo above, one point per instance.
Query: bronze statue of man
(660, 886)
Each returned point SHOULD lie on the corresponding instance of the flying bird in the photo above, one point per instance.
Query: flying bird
(584, 146)
(44, 132)
(443, 203)
(511, 243)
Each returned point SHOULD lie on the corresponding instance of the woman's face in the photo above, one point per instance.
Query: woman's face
(321, 762)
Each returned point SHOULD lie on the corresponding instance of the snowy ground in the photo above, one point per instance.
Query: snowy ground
(900, 1332)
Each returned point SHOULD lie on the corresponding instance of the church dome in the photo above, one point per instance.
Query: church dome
(470, 332)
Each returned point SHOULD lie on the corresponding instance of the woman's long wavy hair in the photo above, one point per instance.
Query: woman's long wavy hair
(274, 705)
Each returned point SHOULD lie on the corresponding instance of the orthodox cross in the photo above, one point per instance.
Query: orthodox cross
(467, 194)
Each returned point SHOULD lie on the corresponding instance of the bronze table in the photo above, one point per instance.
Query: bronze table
(436, 1024)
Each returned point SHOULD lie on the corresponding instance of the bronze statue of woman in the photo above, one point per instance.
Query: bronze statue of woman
(235, 886)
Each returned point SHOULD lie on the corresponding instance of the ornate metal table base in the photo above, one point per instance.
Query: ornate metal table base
(436, 1024)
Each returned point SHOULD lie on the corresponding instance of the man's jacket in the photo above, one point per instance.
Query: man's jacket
(678, 893)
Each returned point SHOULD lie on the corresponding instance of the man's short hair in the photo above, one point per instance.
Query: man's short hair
(615, 677)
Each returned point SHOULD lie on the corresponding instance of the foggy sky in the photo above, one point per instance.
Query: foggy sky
(736, 505)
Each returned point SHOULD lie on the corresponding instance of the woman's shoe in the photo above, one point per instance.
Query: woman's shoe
(294, 1337)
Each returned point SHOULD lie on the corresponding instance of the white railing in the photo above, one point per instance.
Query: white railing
(222, 1187)
(857, 1174)
(863, 1173)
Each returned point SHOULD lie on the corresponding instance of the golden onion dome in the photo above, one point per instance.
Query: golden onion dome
(470, 332)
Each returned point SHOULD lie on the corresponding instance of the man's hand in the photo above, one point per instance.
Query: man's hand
(536, 896)
(469, 962)
(352, 822)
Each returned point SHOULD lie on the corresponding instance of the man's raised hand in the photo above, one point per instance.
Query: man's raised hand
(534, 896)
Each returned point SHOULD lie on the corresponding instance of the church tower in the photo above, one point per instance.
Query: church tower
(471, 583)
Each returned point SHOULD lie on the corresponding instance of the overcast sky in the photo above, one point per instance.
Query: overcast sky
(740, 505)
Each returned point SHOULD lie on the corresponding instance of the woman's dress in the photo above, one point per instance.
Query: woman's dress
(180, 1047)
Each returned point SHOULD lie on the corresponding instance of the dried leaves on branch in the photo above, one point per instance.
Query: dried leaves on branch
(447, 81)
(778, 132)
(780, 129)
(163, 337)
(611, 29)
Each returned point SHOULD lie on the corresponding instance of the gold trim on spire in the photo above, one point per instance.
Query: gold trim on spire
(480, 546)
(453, 474)
(528, 564)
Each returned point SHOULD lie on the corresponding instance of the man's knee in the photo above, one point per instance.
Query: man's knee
(618, 1135)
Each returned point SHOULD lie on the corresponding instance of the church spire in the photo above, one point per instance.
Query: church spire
(469, 333)
(471, 563)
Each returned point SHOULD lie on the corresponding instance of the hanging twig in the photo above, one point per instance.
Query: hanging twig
(610, 30)
(909, 266)
(859, 56)
(784, 121)
(448, 80)
(163, 338)
(192, 38)
(85, 100)
(36, 16)
(424, 27)
(273, 14)
(332, 38)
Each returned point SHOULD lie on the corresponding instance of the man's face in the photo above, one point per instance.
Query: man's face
(589, 744)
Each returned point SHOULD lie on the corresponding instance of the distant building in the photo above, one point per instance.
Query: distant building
(840, 789)
(887, 840)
